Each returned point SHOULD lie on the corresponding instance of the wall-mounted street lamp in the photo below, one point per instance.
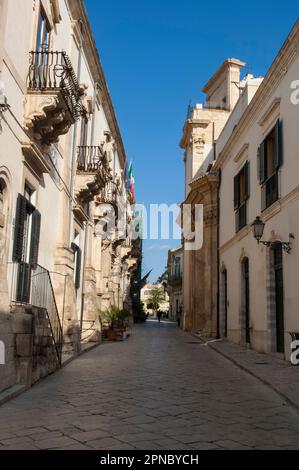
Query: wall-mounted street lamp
(258, 231)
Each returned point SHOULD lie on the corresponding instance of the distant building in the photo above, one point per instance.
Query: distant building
(175, 278)
(146, 293)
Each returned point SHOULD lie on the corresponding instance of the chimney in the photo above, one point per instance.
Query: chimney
(223, 89)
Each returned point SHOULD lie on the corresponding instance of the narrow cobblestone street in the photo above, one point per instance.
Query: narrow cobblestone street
(161, 389)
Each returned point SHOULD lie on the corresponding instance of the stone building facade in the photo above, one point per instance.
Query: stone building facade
(258, 157)
(62, 182)
(201, 131)
(175, 264)
(233, 286)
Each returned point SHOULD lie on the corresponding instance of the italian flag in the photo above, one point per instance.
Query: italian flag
(131, 183)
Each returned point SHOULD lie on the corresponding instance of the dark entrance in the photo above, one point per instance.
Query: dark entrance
(224, 280)
(279, 305)
(246, 299)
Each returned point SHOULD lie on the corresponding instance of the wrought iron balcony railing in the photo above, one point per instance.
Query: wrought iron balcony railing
(52, 70)
(175, 279)
(90, 159)
(109, 194)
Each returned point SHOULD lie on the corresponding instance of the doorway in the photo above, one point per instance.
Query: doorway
(279, 301)
(245, 307)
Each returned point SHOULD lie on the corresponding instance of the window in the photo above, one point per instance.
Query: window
(241, 195)
(177, 268)
(269, 162)
(26, 242)
(84, 131)
(77, 260)
(43, 33)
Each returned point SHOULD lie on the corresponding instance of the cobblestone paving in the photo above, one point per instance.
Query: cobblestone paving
(161, 389)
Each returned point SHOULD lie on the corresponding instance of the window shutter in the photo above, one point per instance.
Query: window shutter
(78, 268)
(21, 214)
(23, 283)
(262, 162)
(236, 192)
(247, 180)
(278, 145)
(34, 242)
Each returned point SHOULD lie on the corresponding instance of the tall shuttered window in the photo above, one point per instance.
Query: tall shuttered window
(270, 159)
(26, 244)
(77, 262)
(241, 196)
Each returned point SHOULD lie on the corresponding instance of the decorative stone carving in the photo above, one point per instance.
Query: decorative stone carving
(47, 116)
(54, 97)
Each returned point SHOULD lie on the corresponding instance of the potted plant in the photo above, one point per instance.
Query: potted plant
(123, 321)
(110, 316)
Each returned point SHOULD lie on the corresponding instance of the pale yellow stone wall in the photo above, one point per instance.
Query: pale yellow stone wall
(51, 170)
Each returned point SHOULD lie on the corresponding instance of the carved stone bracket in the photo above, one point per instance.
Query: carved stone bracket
(48, 116)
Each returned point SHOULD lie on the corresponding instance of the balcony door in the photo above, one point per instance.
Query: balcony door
(26, 244)
(43, 33)
(41, 53)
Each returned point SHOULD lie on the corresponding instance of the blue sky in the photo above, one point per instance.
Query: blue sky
(157, 55)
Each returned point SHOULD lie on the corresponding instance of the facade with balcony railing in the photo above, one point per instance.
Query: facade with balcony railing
(175, 266)
(62, 161)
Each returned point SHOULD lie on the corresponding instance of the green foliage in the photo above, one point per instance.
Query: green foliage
(156, 298)
(139, 314)
(113, 314)
(124, 315)
(110, 315)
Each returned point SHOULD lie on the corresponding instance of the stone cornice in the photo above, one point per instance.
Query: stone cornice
(274, 76)
(78, 12)
(202, 185)
(242, 154)
(189, 126)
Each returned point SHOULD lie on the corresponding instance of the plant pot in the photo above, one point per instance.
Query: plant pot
(111, 335)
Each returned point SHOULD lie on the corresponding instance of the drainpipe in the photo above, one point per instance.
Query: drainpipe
(74, 143)
(218, 257)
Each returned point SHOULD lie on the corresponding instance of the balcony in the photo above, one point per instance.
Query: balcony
(90, 159)
(54, 97)
(93, 172)
(175, 279)
(109, 194)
